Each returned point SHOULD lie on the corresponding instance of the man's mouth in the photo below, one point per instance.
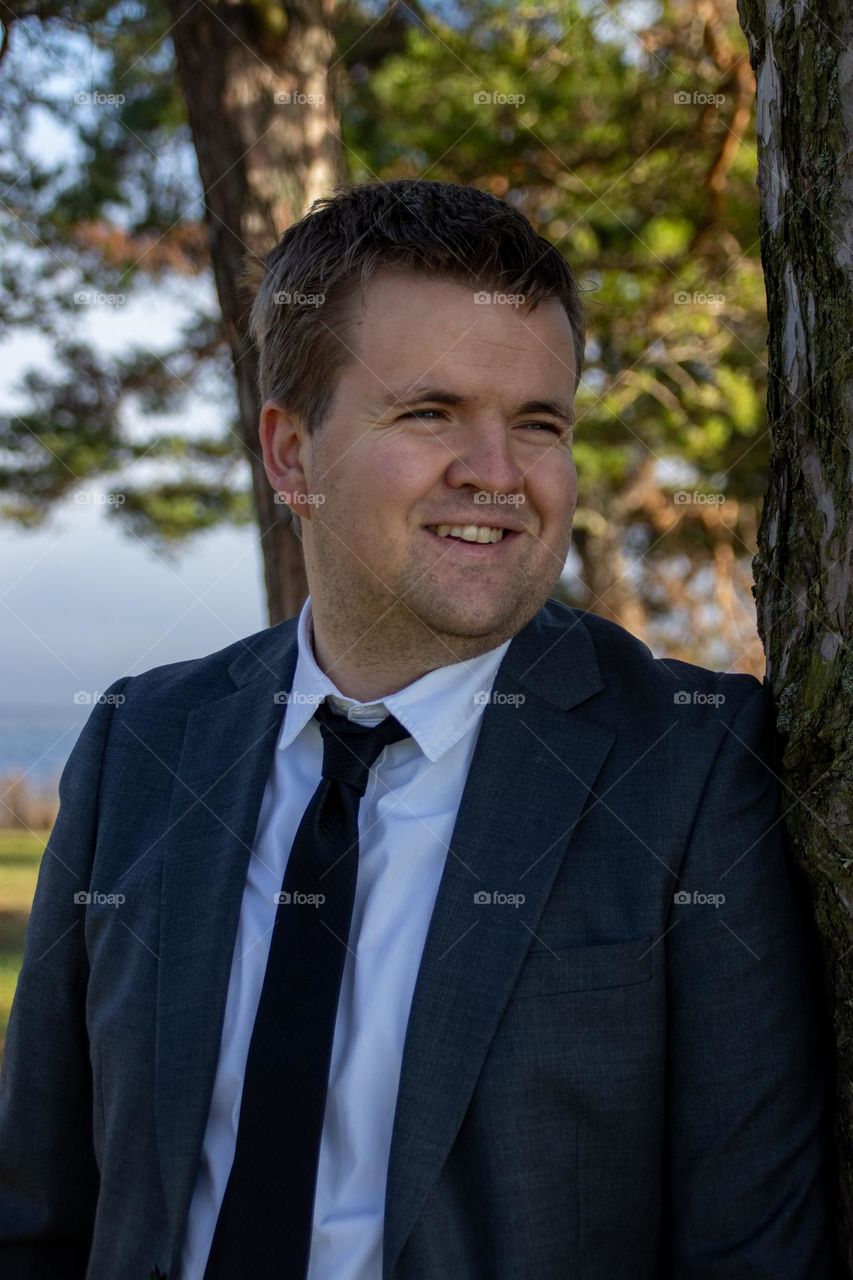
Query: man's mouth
(481, 533)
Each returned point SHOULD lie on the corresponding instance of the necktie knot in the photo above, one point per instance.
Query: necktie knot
(350, 750)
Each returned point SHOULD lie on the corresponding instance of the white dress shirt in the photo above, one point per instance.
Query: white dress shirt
(405, 821)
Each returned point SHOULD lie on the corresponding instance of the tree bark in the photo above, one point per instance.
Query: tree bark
(261, 92)
(801, 57)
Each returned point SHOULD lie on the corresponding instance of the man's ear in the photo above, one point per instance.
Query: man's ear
(283, 442)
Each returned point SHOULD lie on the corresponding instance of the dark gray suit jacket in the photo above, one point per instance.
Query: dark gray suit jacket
(619, 1078)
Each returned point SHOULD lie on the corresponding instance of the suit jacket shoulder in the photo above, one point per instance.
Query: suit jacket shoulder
(640, 681)
(182, 684)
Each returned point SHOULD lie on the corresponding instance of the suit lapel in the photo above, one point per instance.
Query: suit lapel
(226, 756)
(531, 773)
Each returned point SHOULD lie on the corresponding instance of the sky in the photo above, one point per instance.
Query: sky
(83, 605)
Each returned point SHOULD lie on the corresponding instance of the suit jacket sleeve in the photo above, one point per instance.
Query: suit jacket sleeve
(747, 1137)
(48, 1173)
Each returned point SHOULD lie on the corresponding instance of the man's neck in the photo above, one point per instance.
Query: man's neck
(366, 677)
(369, 665)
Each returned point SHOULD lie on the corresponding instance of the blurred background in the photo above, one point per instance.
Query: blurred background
(148, 148)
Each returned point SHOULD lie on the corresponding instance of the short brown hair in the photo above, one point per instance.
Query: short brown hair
(444, 230)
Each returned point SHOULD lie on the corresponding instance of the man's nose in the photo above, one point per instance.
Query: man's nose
(484, 459)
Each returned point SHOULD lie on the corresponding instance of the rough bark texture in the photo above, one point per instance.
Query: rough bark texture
(262, 162)
(801, 55)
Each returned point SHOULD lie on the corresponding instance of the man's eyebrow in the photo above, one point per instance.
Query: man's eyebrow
(555, 407)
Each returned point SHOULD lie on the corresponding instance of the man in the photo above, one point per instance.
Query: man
(457, 936)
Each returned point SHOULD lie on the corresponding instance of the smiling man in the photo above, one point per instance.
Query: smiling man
(452, 935)
(445, 469)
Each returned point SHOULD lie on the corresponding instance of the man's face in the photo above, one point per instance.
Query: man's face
(393, 463)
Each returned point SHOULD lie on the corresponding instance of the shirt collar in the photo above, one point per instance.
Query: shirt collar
(437, 709)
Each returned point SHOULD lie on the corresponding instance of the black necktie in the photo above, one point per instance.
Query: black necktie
(264, 1225)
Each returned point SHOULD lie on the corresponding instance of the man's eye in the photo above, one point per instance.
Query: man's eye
(419, 413)
(550, 426)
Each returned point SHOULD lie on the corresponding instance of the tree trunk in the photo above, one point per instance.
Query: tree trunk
(606, 573)
(800, 55)
(260, 87)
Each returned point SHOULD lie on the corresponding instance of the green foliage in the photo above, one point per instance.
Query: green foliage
(173, 511)
(20, 856)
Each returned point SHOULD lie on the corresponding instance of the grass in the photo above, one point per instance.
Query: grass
(20, 856)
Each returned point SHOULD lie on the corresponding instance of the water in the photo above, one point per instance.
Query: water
(37, 740)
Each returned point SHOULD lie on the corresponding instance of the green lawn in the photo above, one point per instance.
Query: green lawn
(20, 855)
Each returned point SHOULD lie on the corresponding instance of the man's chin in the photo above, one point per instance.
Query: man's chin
(464, 621)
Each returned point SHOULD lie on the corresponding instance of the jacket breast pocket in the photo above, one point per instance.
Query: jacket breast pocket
(549, 971)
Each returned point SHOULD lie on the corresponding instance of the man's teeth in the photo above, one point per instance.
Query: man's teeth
(468, 532)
